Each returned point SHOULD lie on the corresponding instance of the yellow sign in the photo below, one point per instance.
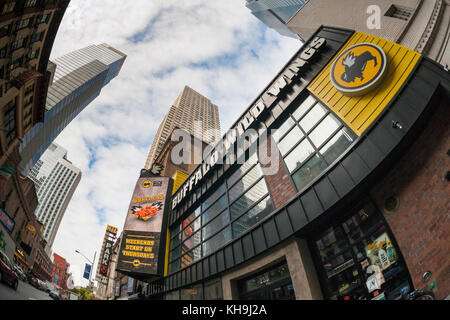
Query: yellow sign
(111, 229)
(358, 69)
(147, 183)
(31, 228)
(359, 112)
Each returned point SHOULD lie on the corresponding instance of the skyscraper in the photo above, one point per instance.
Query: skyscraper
(56, 179)
(276, 13)
(78, 80)
(190, 111)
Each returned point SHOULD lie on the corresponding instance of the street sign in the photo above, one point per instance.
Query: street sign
(87, 271)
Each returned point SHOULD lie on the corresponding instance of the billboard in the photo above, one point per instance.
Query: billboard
(142, 249)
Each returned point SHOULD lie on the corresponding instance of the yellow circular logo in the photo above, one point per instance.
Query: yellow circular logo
(358, 69)
(147, 183)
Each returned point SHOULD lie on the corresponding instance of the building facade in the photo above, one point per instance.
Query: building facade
(421, 25)
(276, 13)
(358, 205)
(60, 273)
(27, 32)
(56, 179)
(77, 81)
(190, 111)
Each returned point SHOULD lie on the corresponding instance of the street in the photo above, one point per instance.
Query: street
(25, 291)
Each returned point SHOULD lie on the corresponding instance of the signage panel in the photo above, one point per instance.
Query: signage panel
(6, 220)
(104, 262)
(142, 249)
(87, 271)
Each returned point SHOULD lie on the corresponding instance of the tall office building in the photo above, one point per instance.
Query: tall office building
(77, 81)
(190, 111)
(56, 179)
(276, 13)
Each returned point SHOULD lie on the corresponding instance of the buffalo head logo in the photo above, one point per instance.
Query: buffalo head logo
(355, 66)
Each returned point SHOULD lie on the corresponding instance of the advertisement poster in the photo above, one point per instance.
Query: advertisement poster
(381, 252)
(141, 250)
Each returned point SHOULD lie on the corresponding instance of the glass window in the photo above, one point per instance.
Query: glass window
(298, 155)
(191, 228)
(313, 117)
(252, 217)
(251, 177)
(190, 256)
(337, 145)
(215, 225)
(308, 172)
(241, 205)
(192, 293)
(242, 169)
(290, 140)
(173, 295)
(192, 241)
(217, 241)
(283, 129)
(220, 190)
(304, 107)
(324, 130)
(214, 209)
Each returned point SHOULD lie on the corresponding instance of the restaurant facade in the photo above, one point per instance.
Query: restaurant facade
(357, 208)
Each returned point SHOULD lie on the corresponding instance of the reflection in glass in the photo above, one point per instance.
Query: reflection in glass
(304, 107)
(215, 225)
(283, 129)
(244, 183)
(242, 169)
(220, 190)
(217, 241)
(324, 130)
(308, 172)
(252, 217)
(214, 209)
(298, 155)
(337, 145)
(313, 117)
(290, 140)
(248, 199)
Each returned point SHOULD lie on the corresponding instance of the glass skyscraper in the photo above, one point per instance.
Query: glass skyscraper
(77, 81)
(276, 13)
(56, 179)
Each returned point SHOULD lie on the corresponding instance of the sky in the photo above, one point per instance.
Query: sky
(218, 48)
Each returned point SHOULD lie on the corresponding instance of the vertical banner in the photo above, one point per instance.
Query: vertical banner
(104, 262)
(87, 271)
(142, 249)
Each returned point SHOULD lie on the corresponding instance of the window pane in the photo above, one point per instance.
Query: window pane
(252, 217)
(308, 172)
(313, 117)
(304, 107)
(191, 228)
(298, 155)
(338, 144)
(192, 293)
(242, 169)
(244, 183)
(217, 241)
(213, 289)
(248, 199)
(324, 130)
(283, 129)
(191, 242)
(215, 225)
(290, 140)
(214, 209)
(213, 197)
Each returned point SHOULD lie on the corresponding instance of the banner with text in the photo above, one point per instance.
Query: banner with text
(142, 248)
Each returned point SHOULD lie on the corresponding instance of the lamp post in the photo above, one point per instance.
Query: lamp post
(92, 266)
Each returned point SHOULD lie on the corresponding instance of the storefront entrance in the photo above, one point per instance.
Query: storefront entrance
(272, 284)
(357, 258)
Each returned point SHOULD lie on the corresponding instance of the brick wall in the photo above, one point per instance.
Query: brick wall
(279, 184)
(421, 224)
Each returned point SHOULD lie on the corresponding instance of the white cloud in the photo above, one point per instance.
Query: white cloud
(216, 47)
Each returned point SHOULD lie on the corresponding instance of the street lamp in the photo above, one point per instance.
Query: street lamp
(92, 267)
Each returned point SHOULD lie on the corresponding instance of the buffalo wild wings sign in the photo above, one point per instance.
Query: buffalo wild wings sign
(142, 248)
